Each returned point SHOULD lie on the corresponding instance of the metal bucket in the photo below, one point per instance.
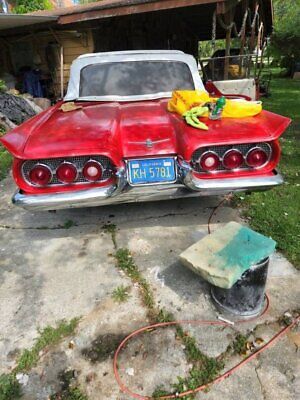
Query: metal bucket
(246, 297)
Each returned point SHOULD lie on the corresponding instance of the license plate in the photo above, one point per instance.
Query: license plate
(150, 171)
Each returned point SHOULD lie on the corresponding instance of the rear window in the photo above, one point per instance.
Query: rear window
(134, 78)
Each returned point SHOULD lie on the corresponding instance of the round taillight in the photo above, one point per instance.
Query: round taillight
(92, 171)
(256, 157)
(40, 175)
(233, 159)
(66, 172)
(209, 161)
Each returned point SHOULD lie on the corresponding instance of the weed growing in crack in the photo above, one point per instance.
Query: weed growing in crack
(9, 387)
(120, 294)
(204, 370)
(159, 392)
(69, 390)
(73, 394)
(68, 224)
(164, 316)
(239, 345)
(126, 263)
(112, 230)
(48, 336)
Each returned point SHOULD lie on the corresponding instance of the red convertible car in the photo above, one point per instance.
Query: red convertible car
(112, 139)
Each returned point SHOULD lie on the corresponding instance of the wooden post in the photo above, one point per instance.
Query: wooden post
(61, 71)
(228, 19)
(253, 31)
(243, 41)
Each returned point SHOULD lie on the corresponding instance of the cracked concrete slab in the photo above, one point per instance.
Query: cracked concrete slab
(48, 272)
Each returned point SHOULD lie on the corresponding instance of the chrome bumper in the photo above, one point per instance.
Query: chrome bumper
(191, 186)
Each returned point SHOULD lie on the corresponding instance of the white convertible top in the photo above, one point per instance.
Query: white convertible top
(118, 53)
(124, 56)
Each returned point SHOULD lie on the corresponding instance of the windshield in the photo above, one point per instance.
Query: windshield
(134, 78)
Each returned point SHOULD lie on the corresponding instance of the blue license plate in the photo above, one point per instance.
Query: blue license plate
(151, 170)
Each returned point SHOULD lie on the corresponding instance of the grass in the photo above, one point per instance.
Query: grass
(276, 213)
(48, 336)
(5, 158)
(120, 294)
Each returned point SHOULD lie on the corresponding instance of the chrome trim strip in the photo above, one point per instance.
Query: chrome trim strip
(146, 142)
(232, 184)
(121, 192)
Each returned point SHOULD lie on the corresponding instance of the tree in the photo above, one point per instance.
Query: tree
(26, 6)
(286, 36)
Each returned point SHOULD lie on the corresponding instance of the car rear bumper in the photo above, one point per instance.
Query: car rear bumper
(191, 186)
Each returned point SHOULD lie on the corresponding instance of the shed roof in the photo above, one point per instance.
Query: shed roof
(115, 4)
(116, 8)
(8, 21)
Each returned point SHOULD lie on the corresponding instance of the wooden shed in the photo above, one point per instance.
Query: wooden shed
(51, 40)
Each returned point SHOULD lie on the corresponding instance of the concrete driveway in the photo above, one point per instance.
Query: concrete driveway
(61, 265)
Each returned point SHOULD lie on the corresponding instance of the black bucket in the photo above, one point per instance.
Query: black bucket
(246, 297)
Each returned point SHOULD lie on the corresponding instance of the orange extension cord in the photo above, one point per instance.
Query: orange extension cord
(220, 378)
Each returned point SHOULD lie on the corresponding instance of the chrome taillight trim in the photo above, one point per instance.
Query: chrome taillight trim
(243, 148)
(259, 148)
(203, 154)
(228, 151)
(97, 162)
(42, 165)
(72, 165)
(77, 161)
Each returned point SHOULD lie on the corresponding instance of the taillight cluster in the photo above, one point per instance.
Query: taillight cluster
(61, 171)
(222, 158)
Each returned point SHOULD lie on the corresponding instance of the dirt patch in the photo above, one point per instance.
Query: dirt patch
(102, 347)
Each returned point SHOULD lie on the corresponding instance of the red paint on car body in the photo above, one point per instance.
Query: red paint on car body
(132, 130)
